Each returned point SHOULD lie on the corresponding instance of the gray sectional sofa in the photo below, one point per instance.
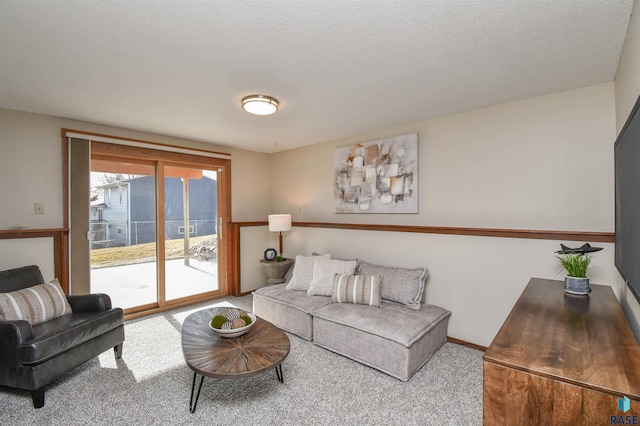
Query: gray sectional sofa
(389, 328)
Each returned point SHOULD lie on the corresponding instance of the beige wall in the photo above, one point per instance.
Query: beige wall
(627, 89)
(627, 79)
(540, 163)
(31, 171)
(530, 164)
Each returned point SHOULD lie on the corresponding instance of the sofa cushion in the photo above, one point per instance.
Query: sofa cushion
(400, 285)
(360, 289)
(289, 310)
(294, 299)
(60, 334)
(378, 352)
(324, 271)
(392, 322)
(303, 272)
(35, 304)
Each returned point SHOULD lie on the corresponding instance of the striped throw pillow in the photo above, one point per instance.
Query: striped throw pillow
(360, 289)
(35, 304)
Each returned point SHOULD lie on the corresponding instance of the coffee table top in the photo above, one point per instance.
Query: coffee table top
(262, 347)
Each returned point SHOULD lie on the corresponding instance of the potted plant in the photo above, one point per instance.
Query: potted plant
(576, 265)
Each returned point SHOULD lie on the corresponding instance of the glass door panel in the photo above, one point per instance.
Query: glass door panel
(191, 240)
(123, 232)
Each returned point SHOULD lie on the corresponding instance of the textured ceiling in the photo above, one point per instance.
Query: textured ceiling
(339, 68)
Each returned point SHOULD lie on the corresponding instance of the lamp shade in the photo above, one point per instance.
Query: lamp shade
(279, 222)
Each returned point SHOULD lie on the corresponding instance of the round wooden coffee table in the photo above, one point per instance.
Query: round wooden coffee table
(264, 346)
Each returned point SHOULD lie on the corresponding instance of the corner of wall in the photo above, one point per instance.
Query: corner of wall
(627, 89)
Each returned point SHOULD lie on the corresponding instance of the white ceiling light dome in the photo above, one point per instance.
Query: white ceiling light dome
(260, 104)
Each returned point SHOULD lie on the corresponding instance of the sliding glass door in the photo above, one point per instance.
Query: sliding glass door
(190, 231)
(122, 232)
(155, 226)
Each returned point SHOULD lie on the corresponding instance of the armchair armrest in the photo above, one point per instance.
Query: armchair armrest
(94, 302)
(14, 333)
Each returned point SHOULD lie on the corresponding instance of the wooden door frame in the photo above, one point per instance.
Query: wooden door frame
(193, 158)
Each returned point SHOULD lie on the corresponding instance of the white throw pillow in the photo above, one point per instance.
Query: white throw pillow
(303, 272)
(399, 285)
(324, 271)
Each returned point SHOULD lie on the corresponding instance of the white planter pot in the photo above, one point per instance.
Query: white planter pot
(575, 285)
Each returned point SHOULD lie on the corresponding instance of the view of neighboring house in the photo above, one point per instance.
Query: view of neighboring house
(123, 213)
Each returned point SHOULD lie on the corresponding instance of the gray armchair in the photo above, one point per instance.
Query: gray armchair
(32, 356)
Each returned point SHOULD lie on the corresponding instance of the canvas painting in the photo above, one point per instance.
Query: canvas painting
(377, 177)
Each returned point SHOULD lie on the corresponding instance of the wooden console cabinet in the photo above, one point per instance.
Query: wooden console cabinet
(562, 360)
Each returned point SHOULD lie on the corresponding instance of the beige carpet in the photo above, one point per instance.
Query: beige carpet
(151, 384)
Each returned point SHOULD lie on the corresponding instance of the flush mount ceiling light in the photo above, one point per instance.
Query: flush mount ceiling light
(260, 104)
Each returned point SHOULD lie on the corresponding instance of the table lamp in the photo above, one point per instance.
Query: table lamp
(279, 223)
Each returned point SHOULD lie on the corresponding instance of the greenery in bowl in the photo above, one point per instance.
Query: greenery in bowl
(576, 264)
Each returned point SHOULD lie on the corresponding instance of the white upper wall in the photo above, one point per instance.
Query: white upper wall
(627, 89)
(627, 80)
(31, 169)
(540, 163)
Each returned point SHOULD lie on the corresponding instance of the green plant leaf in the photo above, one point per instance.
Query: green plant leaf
(575, 264)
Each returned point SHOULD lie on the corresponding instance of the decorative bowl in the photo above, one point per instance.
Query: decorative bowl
(235, 332)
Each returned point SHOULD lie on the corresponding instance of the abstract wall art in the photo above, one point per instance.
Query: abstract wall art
(377, 177)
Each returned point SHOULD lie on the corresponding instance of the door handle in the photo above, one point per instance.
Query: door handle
(220, 228)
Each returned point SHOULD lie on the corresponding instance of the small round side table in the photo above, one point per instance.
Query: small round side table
(276, 270)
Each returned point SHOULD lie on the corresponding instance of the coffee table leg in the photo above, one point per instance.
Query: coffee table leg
(279, 373)
(192, 403)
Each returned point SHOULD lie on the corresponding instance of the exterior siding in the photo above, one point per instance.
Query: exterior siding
(202, 207)
(143, 210)
(136, 197)
(115, 215)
